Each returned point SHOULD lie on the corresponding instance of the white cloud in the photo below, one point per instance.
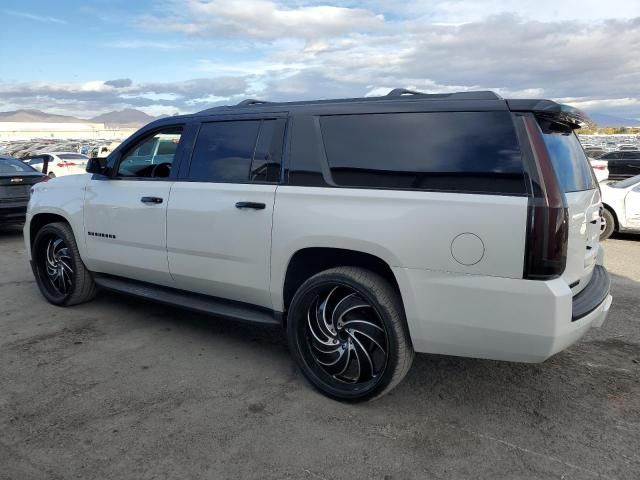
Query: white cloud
(261, 19)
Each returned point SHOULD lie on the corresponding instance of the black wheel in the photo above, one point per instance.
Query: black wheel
(60, 274)
(347, 331)
(607, 224)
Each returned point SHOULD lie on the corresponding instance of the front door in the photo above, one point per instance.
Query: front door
(125, 212)
(220, 214)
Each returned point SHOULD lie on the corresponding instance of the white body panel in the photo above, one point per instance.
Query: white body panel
(584, 236)
(403, 228)
(625, 203)
(113, 207)
(217, 249)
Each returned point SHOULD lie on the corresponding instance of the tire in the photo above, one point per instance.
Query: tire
(609, 224)
(60, 273)
(363, 350)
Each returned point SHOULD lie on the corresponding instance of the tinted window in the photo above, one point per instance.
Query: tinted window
(611, 155)
(569, 161)
(10, 165)
(147, 159)
(631, 155)
(223, 151)
(268, 154)
(453, 151)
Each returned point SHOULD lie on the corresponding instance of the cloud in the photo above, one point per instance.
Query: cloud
(90, 98)
(139, 44)
(301, 49)
(36, 18)
(260, 19)
(119, 82)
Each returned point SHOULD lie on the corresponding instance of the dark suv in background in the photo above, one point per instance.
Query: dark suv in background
(622, 164)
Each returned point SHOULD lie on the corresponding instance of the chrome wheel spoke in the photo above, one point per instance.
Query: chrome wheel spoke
(56, 266)
(346, 338)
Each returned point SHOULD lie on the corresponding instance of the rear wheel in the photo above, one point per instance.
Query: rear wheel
(60, 274)
(607, 224)
(347, 331)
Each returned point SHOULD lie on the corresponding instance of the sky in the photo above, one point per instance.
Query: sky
(84, 58)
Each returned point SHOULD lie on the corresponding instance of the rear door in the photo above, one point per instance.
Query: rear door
(221, 210)
(583, 200)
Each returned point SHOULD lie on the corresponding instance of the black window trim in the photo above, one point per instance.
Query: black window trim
(326, 171)
(184, 171)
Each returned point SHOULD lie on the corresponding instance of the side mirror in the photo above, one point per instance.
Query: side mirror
(97, 165)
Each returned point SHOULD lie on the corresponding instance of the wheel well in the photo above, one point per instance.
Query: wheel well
(615, 217)
(40, 220)
(307, 262)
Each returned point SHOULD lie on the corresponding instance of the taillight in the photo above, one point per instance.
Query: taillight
(598, 167)
(548, 222)
(66, 164)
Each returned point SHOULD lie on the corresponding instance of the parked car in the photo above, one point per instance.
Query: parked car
(600, 168)
(16, 180)
(622, 165)
(628, 147)
(594, 152)
(369, 228)
(621, 207)
(59, 163)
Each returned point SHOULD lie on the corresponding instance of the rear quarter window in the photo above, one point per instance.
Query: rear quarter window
(474, 152)
(568, 158)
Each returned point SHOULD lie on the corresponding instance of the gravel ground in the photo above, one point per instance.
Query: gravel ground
(120, 388)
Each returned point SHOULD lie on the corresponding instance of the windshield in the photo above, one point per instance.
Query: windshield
(627, 182)
(11, 165)
(569, 161)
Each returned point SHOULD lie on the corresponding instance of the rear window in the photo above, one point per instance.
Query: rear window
(9, 165)
(569, 161)
(475, 152)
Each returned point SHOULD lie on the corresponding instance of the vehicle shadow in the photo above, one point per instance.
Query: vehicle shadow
(8, 231)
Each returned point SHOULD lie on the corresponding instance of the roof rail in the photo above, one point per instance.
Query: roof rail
(251, 101)
(397, 92)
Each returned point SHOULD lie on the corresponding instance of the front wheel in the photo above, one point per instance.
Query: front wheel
(60, 274)
(347, 331)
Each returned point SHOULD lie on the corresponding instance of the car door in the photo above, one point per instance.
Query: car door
(220, 212)
(125, 211)
(630, 164)
(632, 208)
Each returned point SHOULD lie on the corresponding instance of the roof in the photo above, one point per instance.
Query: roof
(394, 95)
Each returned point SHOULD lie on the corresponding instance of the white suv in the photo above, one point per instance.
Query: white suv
(461, 224)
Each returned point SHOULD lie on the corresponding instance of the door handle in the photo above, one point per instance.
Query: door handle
(151, 200)
(254, 205)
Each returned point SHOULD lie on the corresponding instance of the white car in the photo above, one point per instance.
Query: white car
(621, 202)
(370, 229)
(600, 168)
(59, 163)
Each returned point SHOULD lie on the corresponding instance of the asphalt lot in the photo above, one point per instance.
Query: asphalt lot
(120, 388)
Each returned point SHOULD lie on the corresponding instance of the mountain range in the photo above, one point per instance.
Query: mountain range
(135, 118)
(127, 117)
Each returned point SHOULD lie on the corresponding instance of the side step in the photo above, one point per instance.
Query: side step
(239, 311)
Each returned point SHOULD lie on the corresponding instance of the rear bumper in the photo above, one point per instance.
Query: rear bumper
(498, 318)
